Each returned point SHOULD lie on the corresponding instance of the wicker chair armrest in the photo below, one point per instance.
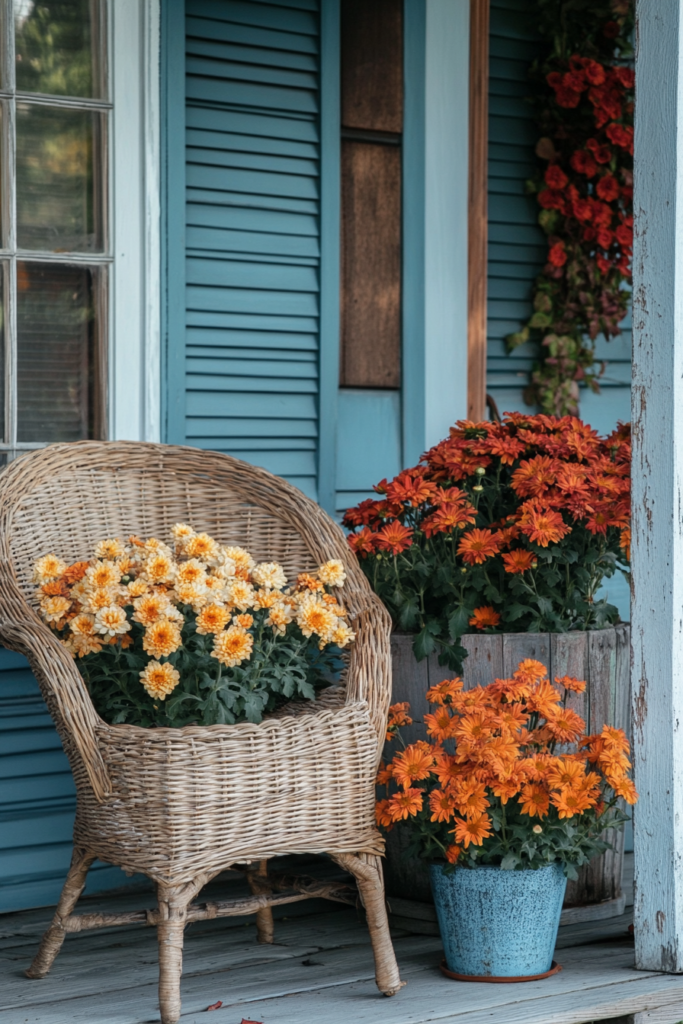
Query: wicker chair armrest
(49, 659)
(369, 676)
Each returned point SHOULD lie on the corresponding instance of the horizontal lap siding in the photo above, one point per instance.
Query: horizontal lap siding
(252, 233)
(517, 245)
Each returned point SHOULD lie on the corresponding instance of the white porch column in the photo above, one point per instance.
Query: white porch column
(657, 413)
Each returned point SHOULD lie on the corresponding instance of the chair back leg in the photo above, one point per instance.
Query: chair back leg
(367, 870)
(54, 937)
(258, 883)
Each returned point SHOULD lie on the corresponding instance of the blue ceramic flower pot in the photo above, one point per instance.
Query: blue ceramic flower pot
(498, 923)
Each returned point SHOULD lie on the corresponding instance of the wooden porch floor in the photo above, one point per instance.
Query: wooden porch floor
(319, 971)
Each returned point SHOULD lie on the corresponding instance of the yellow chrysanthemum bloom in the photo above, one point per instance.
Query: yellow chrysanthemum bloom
(49, 567)
(190, 593)
(212, 619)
(182, 532)
(315, 617)
(233, 646)
(204, 547)
(241, 595)
(151, 608)
(159, 568)
(54, 608)
(111, 621)
(161, 639)
(94, 600)
(215, 585)
(127, 565)
(244, 620)
(226, 567)
(270, 575)
(159, 680)
(279, 618)
(267, 598)
(83, 624)
(80, 644)
(193, 571)
(110, 549)
(332, 573)
(342, 635)
(138, 588)
(102, 575)
(240, 557)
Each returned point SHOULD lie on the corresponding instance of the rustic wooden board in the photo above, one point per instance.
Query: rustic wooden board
(484, 661)
(518, 646)
(371, 265)
(372, 65)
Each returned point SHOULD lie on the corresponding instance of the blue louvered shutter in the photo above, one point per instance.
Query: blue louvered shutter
(252, 232)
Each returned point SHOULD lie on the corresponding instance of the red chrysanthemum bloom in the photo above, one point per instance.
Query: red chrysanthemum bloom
(484, 618)
(478, 545)
(557, 255)
(394, 537)
(583, 163)
(555, 177)
(608, 188)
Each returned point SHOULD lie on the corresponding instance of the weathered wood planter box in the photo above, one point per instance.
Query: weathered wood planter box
(601, 657)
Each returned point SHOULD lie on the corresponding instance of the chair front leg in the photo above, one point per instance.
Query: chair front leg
(173, 901)
(54, 937)
(367, 870)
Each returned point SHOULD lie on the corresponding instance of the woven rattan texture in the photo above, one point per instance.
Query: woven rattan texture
(181, 805)
(171, 802)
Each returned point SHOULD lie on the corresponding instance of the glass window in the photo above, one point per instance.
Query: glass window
(54, 253)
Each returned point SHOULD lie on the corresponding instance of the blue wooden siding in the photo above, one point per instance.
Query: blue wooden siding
(248, 359)
(517, 246)
(37, 797)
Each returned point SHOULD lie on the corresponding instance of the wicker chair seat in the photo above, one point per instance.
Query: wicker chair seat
(182, 805)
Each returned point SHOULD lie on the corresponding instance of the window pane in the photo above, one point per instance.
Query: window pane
(59, 179)
(56, 44)
(58, 362)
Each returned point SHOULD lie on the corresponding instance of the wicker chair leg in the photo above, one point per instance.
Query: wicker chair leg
(54, 937)
(173, 902)
(367, 870)
(264, 918)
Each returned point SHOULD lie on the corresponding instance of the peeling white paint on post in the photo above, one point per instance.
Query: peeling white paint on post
(657, 413)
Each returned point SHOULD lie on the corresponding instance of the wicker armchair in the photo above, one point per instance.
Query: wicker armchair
(182, 805)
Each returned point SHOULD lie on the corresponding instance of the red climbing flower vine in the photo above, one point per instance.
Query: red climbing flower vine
(585, 192)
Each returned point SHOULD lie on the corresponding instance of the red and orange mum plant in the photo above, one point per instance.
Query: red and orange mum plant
(508, 775)
(509, 527)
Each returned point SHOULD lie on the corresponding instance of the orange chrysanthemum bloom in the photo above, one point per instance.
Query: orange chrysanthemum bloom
(625, 542)
(54, 608)
(565, 773)
(530, 671)
(444, 692)
(161, 639)
(159, 680)
(565, 725)
(478, 545)
(73, 573)
(405, 803)
(626, 789)
(484, 618)
(151, 608)
(439, 725)
(441, 804)
(470, 798)
(102, 575)
(452, 853)
(473, 830)
(383, 814)
(398, 717)
(534, 800)
(544, 699)
(571, 684)
(570, 802)
(56, 588)
(384, 775)
(518, 560)
(413, 764)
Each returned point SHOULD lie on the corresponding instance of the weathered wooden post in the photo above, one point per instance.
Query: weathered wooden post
(657, 413)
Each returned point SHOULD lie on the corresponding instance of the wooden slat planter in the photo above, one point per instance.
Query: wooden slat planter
(601, 657)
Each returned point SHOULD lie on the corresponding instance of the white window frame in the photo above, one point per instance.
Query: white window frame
(135, 306)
